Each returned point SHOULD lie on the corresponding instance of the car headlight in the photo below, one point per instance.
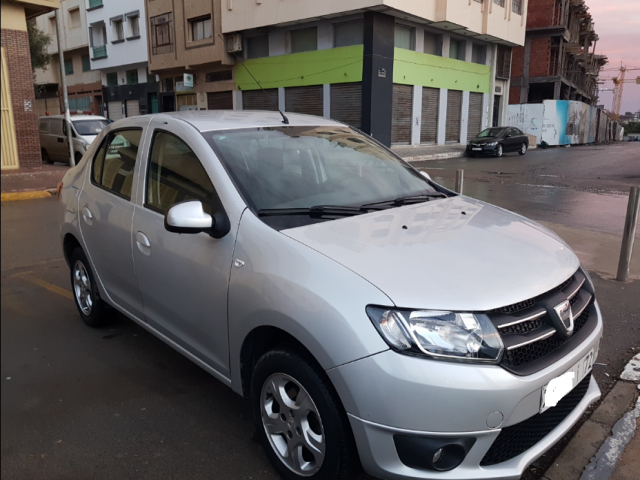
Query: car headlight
(467, 337)
(492, 144)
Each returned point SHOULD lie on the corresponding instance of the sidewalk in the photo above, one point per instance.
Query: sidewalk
(33, 179)
(429, 152)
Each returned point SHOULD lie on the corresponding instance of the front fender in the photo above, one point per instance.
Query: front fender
(278, 282)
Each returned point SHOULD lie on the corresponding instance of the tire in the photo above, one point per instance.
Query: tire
(92, 309)
(45, 156)
(319, 424)
(499, 151)
(523, 149)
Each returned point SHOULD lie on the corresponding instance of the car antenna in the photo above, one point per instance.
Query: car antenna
(285, 120)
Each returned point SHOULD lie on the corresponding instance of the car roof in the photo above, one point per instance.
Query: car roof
(75, 117)
(208, 120)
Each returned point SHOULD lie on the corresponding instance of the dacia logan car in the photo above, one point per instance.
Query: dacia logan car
(373, 317)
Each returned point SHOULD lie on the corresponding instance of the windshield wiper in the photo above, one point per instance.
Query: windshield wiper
(424, 197)
(315, 210)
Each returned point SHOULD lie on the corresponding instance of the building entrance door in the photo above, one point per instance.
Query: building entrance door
(496, 111)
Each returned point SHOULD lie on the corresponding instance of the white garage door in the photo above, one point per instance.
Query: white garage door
(133, 108)
(115, 110)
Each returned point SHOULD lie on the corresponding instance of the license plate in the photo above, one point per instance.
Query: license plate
(557, 388)
(476, 148)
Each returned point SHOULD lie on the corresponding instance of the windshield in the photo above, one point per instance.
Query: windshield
(304, 167)
(491, 132)
(89, 127)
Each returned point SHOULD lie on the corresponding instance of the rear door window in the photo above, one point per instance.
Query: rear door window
(44, 126)
(114, 164)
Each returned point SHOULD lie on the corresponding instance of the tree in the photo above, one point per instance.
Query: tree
(38, 42)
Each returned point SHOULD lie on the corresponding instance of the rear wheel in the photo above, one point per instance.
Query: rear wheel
(92, 309)
(45, 156)
(300, 420)
(523, 149)
(498, 151)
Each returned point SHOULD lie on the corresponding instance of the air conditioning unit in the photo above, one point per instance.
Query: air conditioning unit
(234, 43)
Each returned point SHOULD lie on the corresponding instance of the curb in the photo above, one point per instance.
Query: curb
(597, 437)
(15, 196)
(435, 156)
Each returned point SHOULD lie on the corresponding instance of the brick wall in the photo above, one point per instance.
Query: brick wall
(540, 13)
(517, 62)
(514, 95)
(540, 52)
(16, 45)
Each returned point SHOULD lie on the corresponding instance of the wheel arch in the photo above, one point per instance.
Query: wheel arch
(69, 244)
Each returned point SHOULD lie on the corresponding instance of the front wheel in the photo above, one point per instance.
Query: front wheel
(498, 151)
(300, 420)
(523, 149)
(92, 309)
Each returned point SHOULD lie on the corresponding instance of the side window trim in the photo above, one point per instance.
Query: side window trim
(104, 144)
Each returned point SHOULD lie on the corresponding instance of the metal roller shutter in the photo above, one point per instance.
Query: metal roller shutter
(115, 110)
(401, 114)
(257, 100)
(429, 124)
(304, 100)
(220, 100)
(475, 114)
(346, 103)
(454, 110)
(133, 108)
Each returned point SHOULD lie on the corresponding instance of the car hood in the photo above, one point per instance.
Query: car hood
(88, 138)
(450, 254)
(483, 140)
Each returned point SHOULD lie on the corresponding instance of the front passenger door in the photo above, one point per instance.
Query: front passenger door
(183, 278)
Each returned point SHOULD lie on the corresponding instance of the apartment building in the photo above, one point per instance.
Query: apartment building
(558, 60)
(405, 71)
(118, 44)
(20, 142)
(186, 50)
(84, 87)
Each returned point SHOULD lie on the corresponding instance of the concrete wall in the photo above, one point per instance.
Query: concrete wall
(73, 36)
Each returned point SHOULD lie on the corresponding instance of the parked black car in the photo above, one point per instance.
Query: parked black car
(498, 140)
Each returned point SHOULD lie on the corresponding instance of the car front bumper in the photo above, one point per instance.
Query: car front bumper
(392, 394)
(484, 149)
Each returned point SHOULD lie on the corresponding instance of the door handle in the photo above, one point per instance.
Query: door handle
(87, 216)
(143, 243)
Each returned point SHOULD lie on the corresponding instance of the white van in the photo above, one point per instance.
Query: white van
(53, 136)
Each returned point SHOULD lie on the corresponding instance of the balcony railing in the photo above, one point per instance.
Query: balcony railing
(99, 52)
(95, 3)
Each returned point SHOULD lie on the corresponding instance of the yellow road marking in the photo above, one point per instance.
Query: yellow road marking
(49, 286)
(13, 196)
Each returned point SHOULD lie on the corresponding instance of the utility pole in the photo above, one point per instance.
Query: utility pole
(63, 81)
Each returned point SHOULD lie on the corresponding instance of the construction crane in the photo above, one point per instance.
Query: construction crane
(618, 87)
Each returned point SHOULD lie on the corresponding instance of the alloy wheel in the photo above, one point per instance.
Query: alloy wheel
(82, 287)
(499, 151)
(292, 423)
(523, 149)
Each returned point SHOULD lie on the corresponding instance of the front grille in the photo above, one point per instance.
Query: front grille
(526, 326)
(518, 438)
(533, 351)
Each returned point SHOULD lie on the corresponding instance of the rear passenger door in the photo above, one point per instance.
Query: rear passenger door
(57, 145)
(106, 213)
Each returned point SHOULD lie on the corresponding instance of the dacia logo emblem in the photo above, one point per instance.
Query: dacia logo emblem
(564, 318)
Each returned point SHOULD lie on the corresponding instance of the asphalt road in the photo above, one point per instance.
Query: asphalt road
(81, 403)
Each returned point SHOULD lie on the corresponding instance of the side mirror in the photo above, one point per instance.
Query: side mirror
(507, 135)
(425, 174)
(188, 217)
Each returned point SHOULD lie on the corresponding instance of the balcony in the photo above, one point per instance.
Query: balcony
(93, 4)
(99, 52)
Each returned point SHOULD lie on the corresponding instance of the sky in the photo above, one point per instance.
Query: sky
(617, 23)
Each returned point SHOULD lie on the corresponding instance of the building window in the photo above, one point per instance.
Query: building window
(134, 26)
(132, 76)
(118, 30)
(86, 63)
(457, 49)
(200, 28)
(162, 34)
(166, 84)
(151, 77)
(112, 79)
(218, 76)
(68, 66)
(304, 40)
(258, 47)
(499, 2)
(516, 6)
(503, 62)
(403, 37)
(52, 25)
(348, 33)
(432, 44)
(74, 18)
(479, 54)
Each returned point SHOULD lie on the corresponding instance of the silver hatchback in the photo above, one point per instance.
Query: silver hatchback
(373, 317)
